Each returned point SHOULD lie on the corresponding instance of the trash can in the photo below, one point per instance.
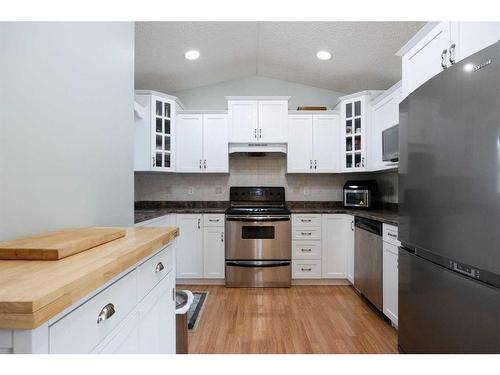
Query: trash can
(183, 301)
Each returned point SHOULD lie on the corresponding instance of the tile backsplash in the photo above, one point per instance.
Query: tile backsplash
(254, 171)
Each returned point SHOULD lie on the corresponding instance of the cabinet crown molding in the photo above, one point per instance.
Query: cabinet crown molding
(258, 97)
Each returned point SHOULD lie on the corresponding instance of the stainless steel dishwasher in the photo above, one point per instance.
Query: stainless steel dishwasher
(368, 259)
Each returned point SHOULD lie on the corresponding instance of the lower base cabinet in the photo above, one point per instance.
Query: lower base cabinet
(336, 241)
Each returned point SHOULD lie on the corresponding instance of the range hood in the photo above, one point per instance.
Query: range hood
(257, 148)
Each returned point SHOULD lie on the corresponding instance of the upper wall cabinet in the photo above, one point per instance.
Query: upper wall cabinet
(313, 143)
(257, 119)
(440, 45)
(385, 114)
(355, 130)
(155, 132)
(202, 143)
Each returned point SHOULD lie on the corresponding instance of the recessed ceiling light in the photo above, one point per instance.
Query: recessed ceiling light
(192, 54)
(469, 67)
(324, 55)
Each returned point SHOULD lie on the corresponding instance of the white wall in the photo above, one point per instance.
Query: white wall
(254, 171)
(212, 96)
(66, 126)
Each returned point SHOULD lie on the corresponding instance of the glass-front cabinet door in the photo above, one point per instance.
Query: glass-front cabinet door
(354, 130)
(162, 115)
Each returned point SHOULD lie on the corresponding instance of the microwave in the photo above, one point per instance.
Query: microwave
(360, 194)
(390, 144)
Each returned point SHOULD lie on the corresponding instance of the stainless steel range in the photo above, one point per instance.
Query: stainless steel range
(258, 238)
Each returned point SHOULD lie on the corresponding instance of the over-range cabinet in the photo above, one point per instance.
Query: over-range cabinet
(449, 207)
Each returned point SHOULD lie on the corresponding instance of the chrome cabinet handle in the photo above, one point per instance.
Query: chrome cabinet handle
(306, 233)
(392, 235)
(221, 236)
(255, 133)
(452, 54)
(310, 164)
(200, 163)
(443, 59)
(260, 133)
(315, 164)
(213, 220)
(107, 312)
(306, 269)
(352, 225)
(306, 250)
(159, 267)
(362, 161)
(205, 163)
(199, 223)
(305, 220)
(154, 161)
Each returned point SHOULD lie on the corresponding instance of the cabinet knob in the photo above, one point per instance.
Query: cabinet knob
(443, 59)
(452, 54)
(107, 312)
(159, 267)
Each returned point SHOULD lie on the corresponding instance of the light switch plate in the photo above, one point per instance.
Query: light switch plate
(191, 190)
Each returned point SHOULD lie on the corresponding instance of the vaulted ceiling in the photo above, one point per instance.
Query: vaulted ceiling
(363, 53)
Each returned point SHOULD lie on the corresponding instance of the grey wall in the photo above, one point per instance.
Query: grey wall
(213, 96)
(264, 171)
(66, 126)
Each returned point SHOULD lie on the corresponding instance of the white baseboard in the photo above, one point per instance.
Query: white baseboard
(309, 282)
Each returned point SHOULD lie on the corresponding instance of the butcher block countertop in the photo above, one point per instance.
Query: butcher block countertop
(33, 291)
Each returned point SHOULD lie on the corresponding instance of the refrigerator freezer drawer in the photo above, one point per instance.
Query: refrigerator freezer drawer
(441, 311)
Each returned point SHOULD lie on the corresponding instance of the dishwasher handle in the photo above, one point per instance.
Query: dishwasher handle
(372, 226)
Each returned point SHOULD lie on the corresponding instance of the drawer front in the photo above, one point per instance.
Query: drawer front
(152, 271)
(311, 220)
(390, 234)
(306, 250)
(312, 233)
(306, 269)
(213, 220)
(79, 331)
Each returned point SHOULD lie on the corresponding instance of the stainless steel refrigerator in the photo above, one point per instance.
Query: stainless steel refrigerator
(449, 207)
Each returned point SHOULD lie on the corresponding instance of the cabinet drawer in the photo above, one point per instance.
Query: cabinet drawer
(306, 250)
(312, 233)
(306, 269)
(213, 220)
(79, 332)
(306, 220)
(390, 234)
(152, 271)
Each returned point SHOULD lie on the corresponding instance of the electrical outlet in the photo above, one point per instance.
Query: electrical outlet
(191, 190)
(306, 190)
(218, 190)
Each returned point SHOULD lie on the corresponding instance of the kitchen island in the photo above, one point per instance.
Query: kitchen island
(113, 298)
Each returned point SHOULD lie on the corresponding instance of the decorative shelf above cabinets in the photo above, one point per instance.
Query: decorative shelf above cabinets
(155, 132)
(257, 119)
(313, 143)
(202, 143)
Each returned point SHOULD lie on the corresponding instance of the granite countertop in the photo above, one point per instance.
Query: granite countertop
(150, 210)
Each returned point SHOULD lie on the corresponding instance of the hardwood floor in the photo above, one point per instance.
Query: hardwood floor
(301, 319)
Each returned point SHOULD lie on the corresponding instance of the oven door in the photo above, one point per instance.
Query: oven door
(258, 238)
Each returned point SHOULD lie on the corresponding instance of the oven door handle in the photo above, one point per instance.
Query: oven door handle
(258, 218)
(256, 264)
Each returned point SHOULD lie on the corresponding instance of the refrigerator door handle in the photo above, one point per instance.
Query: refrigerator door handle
(443, 59)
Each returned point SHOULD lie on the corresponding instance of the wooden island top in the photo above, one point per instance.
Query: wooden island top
(33, 291)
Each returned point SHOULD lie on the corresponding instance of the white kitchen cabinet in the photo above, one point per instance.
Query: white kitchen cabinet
(390, 272)
(272, 116)
(189, 143)
(335, 241)
(156, 328)
(313, 143)
(306, 246)
(300, 144)
(439, 45)
(213, 252)
(257, 119)
(202, 143)
(125, 340)
(355, 129)
(385, 114)
(471, 37)
(189, 246)
(155, 132)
